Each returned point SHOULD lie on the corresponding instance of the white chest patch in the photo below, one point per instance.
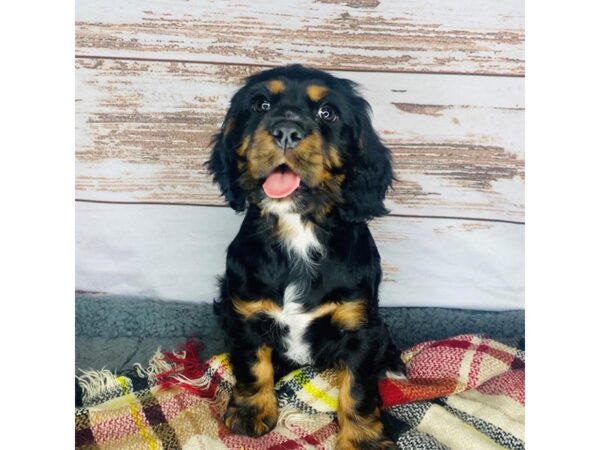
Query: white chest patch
(298, 236)
(297, 321)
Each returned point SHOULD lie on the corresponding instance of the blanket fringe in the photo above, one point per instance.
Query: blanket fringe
(156, 366)
(94, 383)
(182, 368)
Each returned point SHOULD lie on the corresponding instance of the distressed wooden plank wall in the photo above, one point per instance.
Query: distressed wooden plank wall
(457, 142)
(383, 35)
(445, 79)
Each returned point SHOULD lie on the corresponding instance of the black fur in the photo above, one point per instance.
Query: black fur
(372, 172)
(259, 267)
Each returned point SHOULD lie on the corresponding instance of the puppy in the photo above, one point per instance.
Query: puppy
(298, 153)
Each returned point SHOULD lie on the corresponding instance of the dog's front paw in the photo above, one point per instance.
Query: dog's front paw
(251, 417)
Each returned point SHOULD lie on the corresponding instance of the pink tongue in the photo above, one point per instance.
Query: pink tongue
(281, 183)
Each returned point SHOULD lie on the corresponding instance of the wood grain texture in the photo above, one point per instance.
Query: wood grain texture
(484, 37)
(176, 252)
(143, 131)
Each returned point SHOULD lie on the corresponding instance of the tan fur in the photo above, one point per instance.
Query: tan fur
(263, 154)
(355, 429)
(316, 92)
(275, 86)
(334, 158)
(307, 159)
(347, 315)
(250, 308)
(260, 396)
(350, 315)
(243, 148)
(264, 399)
(322, 211)
(332, 162)
(310, 159)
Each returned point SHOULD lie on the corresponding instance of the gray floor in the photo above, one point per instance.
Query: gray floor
(116, 331)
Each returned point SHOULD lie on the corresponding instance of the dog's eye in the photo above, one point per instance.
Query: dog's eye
(261, 104)
(327, 113)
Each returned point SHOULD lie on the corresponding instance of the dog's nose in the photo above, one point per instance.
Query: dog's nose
(287, 135)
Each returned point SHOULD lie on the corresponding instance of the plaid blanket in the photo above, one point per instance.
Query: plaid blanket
(466, 392)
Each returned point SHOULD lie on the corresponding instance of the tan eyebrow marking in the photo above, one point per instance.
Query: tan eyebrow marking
(316, 92)
(275, 86)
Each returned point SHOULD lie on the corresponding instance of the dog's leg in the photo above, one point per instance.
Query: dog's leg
(358, 412)
(252, 410)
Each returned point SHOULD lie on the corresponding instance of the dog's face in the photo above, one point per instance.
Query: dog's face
(300, 140)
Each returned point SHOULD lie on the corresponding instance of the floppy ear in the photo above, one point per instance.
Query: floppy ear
(222, 165)
(371, 175)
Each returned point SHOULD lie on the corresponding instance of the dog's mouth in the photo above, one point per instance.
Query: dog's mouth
(281, 182)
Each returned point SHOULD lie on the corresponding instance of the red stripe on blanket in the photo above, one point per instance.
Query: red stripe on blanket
(291, 445)
(500, 355)
(510, 384)
(451, 343)
(400, 392)
(317, 438)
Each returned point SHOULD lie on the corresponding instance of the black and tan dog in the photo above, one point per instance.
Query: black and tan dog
(298, 152)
